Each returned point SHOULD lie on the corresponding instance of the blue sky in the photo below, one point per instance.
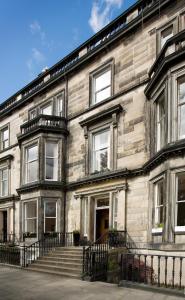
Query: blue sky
(37, 33)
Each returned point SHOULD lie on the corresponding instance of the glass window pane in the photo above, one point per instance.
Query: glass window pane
(102, 95)
(51, 168)
(181, 90)
(32, 171)
(50, 225)
(5, 134)
(181, 187)
(181, 214)
(50, 209)
(31, 209)
(101, 140)
(31, 225)
(32, 153)
(103, 80)
(160, 197)
(46, 110)
(182, 120)
(5, 174)
(5, 188)
(166, 34)
(101, 160)
(60, 105)
(51, 149)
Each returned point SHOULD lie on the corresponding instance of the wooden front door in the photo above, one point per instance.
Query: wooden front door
(102, 222)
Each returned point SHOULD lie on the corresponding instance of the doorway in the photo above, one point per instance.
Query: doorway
(4, 226)
(101, 224)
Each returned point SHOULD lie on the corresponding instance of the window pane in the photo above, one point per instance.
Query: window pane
(51, 168)
(50, 209)
(32, 153)
(50, 225)
(32, 171)
(31, 225)
(5, 134)
(104, 94)
(33, 114)
(103, 80)
(46, 110)
(101, 160)
(101, 140)
(31, 209)
(5, 188)
(166, 34)
(181, 214)
(60, 105)
(181, 187)
(51, 149)
(181, 90)
(160, 198)
(182, 120)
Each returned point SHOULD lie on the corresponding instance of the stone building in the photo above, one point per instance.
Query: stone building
(97, 141)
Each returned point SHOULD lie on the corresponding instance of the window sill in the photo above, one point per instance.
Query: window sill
(157, 230)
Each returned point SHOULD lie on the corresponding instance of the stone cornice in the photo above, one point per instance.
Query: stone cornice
(7, 157)
(44, 185)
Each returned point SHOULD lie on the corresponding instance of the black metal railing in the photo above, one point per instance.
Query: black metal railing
(44, 121)
(10, 255)
(156, 270)
(95, 257)
(44, 245)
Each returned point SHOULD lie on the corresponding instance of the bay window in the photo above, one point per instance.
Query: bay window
(51, 161)
(30, 217)
(31, 164)
(50, 216)
(46, 109)
(101, 151)
(3, 182)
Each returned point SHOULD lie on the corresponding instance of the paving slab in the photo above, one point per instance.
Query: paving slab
(18, 284)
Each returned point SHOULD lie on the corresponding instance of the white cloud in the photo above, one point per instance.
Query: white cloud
(36, 60)
(35, 29)
(101, 13)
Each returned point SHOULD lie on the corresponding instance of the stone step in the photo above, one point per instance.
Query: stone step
(59, 259)
(67, 252)
(70, 248)
(60, 264)
(63, 274)
(56, 268)
(64, 255)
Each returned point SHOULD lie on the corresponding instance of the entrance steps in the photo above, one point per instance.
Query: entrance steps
(63, 261)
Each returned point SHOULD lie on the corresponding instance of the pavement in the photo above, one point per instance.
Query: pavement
(17, 284)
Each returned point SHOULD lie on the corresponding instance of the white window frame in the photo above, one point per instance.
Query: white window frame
(94, 76)
(53, 201)
(157, 207)
(54, 158)
(33, 218)
(94, 133)
(27, 163)
(3, 180)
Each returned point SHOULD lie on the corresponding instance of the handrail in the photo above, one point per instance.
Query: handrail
(44, 245)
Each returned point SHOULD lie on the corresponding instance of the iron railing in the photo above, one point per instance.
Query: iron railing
(95, 257)
(43, 246)
(165, 271)
(44, 121)
(10, 255)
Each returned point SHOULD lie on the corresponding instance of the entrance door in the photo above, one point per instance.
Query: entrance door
(102, 222)
(5, 226)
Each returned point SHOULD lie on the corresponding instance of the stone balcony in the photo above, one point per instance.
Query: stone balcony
(43, 123)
